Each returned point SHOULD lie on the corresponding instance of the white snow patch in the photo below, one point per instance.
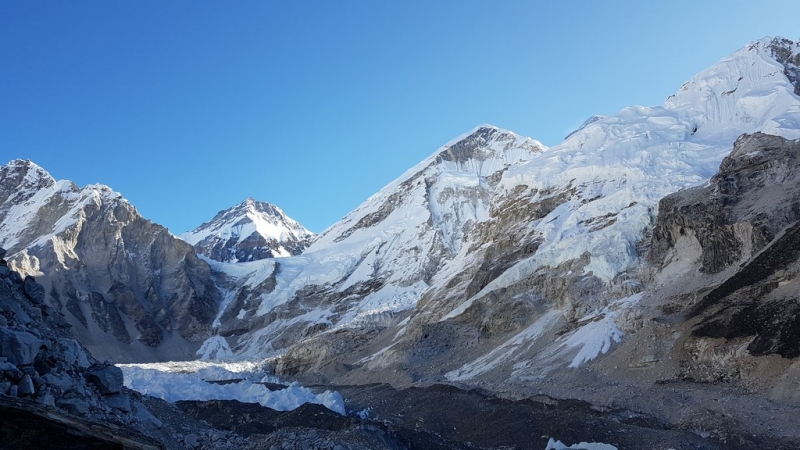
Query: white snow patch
(215, 348)
(504, 352)
(558, 445)
(598, 334)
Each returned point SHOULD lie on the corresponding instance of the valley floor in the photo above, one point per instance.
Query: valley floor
(435, 416)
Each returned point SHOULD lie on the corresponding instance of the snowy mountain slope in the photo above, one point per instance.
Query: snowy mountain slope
(562, 231)
(620, 166)
(613, 172)
(125, 284)
(378, 260)
(249, 231)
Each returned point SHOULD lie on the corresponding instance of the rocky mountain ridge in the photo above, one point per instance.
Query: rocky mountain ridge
(125, 284)
(55, 394)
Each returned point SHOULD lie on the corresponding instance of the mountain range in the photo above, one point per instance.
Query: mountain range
(653, 251)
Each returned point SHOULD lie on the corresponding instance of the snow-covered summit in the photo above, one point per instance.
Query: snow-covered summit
(26, 189)
(249, 231)
(466, 160)
(624, 163)
(21, 178)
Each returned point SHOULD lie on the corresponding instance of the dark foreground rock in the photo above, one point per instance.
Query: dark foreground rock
(309, 426)
(55, 395)
(27, 426)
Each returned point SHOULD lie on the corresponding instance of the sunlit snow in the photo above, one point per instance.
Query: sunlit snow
(558, 445)
(191, 380)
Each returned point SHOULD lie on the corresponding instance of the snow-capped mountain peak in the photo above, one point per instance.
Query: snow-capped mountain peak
(249, 231)
(484, 151)
(26, 188)
(21, 179)
(621, 165)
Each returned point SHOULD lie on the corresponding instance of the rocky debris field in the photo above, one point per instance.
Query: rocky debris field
(460, 418)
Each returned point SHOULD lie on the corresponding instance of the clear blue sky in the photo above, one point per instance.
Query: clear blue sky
(189, 107)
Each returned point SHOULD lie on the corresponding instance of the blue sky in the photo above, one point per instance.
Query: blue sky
(189, 107)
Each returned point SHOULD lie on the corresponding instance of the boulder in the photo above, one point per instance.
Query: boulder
(121, 402)
(25, 387)
(47, 398)
(10, 371)
(73, 353)
(59, 380)
(191, 440)
(19, 347)
(33, 290)
(75, 405)
(108, 379)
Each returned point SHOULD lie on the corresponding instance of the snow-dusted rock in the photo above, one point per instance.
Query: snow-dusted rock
(215, 348)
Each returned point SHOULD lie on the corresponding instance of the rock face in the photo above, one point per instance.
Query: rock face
(54, 394)
(249, 231)
(126, 285)
(42, 362)
(744, 226)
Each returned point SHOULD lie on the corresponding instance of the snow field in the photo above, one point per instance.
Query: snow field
(189, 380)
(558, 445)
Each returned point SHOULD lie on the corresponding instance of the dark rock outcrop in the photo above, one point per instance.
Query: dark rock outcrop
(107, 378)
(55, 395)
(745, 224)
